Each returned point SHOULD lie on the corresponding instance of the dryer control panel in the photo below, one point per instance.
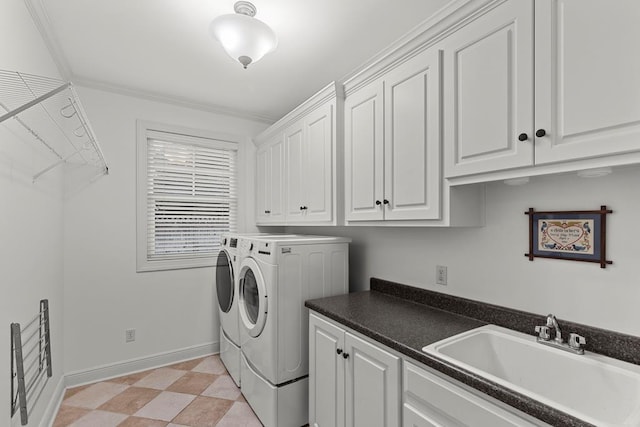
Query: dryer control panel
(256, 249)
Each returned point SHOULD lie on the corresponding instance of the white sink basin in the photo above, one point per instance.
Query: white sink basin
(594, 388)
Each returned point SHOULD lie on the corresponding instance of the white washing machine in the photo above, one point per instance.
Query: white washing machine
(276, 276)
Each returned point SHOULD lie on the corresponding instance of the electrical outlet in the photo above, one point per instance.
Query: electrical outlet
(441, 275)
(130, 335)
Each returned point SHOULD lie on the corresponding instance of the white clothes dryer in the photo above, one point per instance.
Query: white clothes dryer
(227, 296)
(276, 276)
(227, 264)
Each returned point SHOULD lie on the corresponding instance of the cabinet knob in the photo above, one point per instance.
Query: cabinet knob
(540, 133)
(385, 201)
(339, 351)
(301, 208)
(345, 355)
(378, 202)
(267, 212)
(523, 137)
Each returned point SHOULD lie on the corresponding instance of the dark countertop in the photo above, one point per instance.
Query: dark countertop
(407, 326)
(385, 319)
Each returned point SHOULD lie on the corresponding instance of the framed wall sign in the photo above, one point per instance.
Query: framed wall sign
(570, 235)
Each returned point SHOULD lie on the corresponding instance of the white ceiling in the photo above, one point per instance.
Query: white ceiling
(162, 48)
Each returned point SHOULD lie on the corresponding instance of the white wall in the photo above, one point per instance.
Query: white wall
(488, 264)
(30, 217)
(170, 310)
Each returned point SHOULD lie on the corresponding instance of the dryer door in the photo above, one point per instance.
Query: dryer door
(224, 280)
(253, 297)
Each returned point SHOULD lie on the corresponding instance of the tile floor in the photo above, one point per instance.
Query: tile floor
(195, 393)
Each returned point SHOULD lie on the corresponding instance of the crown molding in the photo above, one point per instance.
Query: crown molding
(172, 100)
(43, 24)
(451, 17)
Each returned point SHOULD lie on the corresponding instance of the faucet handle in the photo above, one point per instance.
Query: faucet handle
(543, 333)
(576, 341)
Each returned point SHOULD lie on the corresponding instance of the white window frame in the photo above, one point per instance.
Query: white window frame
(145, 130)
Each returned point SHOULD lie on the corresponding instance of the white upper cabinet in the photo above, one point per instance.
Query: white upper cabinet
(295, 161)
(364, 153)
(270, 179)
(392, 144)
(587, 78)
(309, 147)
(412, 139)
(488, 91)
(546, 82)
(318, 167)
(301, 181)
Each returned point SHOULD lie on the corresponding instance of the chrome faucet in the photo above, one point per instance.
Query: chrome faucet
(552, 322)
(544, 337)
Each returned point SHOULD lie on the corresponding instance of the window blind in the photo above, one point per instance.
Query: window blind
(191, 196)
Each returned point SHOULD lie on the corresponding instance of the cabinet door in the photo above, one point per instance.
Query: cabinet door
(318, 171)
(276, 180)
(488, 91)
(587, 78)
(372, 385)
(413, 139)
(295, 160)
(263, 185)
(326, 374)
(269, 182)
(364, 164)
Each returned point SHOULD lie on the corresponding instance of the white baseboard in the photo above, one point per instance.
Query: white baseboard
(104, 372)
(51, 411)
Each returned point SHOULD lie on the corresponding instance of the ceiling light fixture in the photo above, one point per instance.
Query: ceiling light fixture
(244, 38)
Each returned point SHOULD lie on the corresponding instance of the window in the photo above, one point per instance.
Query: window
(187, 197)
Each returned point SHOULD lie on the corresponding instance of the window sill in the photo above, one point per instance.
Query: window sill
(143, 266)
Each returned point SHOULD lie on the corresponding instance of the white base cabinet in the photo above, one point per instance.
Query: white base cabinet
(352, 382)
(429, 400)
(356, 382)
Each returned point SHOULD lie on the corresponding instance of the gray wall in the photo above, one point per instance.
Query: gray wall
(488, 263)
